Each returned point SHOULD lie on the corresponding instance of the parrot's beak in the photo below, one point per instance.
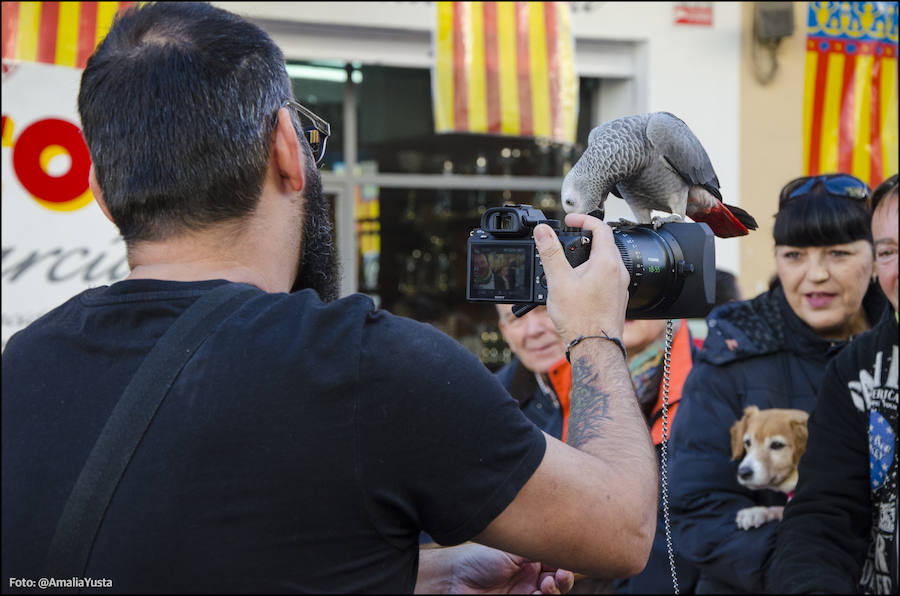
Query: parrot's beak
(599, 213)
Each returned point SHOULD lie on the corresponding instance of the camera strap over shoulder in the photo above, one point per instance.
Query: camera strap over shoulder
(127, 424)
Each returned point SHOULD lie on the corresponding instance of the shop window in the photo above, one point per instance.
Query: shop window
(413, 259)
(320, 87)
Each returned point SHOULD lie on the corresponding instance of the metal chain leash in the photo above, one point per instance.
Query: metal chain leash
(664, 452)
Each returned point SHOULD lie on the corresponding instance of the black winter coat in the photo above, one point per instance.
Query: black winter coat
(839, 533)
(758, 352)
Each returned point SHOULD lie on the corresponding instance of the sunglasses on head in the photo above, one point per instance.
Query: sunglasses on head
(317, 134)
(843, 186)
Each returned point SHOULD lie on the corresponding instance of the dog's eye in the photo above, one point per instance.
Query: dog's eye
(776, 445)
(746, 442)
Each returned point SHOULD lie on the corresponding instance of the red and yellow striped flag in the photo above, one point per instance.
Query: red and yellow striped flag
(850, 104)
(505, 68)
(62, 33)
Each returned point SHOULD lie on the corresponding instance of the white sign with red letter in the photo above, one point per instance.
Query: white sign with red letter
(56, 241)
(693, 13)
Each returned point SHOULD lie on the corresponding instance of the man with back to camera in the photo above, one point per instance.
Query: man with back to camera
(292, 453)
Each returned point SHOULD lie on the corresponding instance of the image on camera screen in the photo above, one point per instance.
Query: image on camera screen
(501, 272)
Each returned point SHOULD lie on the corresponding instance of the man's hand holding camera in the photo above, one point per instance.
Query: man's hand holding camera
(591, 298)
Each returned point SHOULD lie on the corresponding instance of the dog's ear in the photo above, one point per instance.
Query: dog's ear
(737, 436)
(801, 434)
(737, 432)
(737, 439)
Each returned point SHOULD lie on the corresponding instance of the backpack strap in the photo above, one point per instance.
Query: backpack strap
(127, 424)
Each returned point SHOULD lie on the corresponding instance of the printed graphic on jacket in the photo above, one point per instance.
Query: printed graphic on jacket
(876, 393)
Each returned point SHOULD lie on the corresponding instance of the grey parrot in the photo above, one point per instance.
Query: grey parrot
(653, 161)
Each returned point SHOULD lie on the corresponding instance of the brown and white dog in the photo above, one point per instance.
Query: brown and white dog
(768, 444)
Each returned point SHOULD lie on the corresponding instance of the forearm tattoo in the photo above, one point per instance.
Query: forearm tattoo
(589, 406)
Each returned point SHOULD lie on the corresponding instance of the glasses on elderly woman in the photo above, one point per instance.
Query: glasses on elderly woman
(317, 134)
(843, 186)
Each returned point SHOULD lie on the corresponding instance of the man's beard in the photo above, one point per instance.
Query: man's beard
(318, 267)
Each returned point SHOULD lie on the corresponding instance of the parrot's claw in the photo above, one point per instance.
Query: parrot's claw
(658, 222)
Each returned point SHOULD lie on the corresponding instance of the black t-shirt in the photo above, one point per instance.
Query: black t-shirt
(303, 448)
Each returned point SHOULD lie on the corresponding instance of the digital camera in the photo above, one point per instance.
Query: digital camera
(672, 268)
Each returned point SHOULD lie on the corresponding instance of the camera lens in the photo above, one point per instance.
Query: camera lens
(651, 258)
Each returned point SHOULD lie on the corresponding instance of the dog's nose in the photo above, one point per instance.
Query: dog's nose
(745, 472)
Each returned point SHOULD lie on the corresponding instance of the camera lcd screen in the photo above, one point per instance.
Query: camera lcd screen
(501, 272)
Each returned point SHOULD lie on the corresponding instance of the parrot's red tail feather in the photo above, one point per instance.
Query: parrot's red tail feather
(722, 222)
(742, 216)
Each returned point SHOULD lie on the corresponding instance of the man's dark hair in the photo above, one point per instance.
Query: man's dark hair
(884, 190)
(820, 219)
(178, 106)
(726, 287)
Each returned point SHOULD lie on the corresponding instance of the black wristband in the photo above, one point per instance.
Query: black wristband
(605, 336)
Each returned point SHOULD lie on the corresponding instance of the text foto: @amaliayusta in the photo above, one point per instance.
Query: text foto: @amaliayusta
(53, 582)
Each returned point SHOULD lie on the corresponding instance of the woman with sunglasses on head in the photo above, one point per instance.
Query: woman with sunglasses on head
(839, 532)
(769, 352)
